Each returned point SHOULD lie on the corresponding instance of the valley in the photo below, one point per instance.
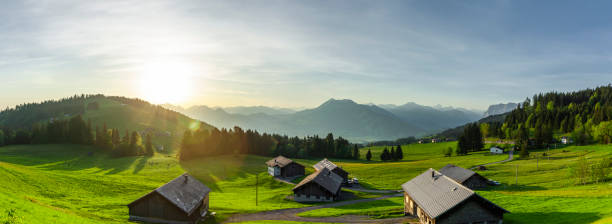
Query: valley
(67, 184)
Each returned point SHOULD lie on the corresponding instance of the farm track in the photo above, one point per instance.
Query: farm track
(291, 214)
(510, 158)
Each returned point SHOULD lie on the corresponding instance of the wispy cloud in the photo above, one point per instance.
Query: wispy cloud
(293, 53)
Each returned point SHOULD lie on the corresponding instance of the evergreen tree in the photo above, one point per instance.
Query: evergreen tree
(2, 138)
(392, 154)
(399, 152)
(135, 144)
(369, 155)
(524, 153)
(384, 156)
(148, 145)
(462, 146)
(355, 152)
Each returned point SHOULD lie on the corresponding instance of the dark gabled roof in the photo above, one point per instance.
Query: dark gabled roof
(326, 164)
(325, 178)
(185, 192)
(279, 161)
(436, 193)
(456, 173)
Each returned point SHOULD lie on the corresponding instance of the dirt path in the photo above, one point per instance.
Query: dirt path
(361, 189)
(291, 214)
(510, 158)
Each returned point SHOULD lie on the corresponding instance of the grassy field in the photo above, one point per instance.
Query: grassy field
(65, 184)
(542, 192)
(391, 207)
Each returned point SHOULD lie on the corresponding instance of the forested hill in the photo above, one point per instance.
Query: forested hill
(584, 115)
(166, 126)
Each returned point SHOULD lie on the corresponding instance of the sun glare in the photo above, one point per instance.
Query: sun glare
(163, 81)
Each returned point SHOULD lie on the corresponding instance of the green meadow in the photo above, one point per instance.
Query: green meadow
(79, 184)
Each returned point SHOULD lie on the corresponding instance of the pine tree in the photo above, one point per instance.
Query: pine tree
(369, 155)
(384, 156)
(355, 152)
(392, 155)
(148, 145)
(399, 152)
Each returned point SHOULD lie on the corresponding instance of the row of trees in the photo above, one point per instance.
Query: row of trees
(471, 140)
(204, 142)
(76, 131)
(394, 154)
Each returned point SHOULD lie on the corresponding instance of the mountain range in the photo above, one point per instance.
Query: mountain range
(346, 118)
(500, 109)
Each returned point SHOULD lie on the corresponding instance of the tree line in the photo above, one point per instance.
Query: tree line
(204, 142)
(76, 131)
(585, 114)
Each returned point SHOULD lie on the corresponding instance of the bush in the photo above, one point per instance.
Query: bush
(448, 152)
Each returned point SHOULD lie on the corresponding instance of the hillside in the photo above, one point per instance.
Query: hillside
(455, 132)
(65, 184)
(123, 113)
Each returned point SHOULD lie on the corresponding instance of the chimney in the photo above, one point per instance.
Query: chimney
(433, 174)
(186, 178)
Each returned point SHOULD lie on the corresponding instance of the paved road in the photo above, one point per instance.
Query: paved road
(510, 157)
(291, 214)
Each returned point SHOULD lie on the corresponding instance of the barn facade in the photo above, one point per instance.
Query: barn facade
(181, 201)
(322, 185)
(284, 167)
(437, 199)
(464, 176)
(333, 167)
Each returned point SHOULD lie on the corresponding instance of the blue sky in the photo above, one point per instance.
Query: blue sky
(300, 53)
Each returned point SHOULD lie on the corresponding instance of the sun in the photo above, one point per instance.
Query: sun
(166, 81)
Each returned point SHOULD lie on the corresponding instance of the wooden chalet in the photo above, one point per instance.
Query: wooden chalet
(333, 167)
(322, 185)
(435, 198)
(284, 167)
(180, 201)
(464, 176)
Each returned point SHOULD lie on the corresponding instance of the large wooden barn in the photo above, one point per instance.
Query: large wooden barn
(322, 185)
(464, 176)
(180, 201)
(333, 167)
(284, 167)
(437, 199)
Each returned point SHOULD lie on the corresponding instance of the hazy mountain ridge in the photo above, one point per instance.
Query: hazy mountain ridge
(248, 110)
(500, 109)
(346, 118)
(433, 119)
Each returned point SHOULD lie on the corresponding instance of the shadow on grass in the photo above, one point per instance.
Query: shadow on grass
(141, 164)
(69, 158)
(551, 217)
(514, 187)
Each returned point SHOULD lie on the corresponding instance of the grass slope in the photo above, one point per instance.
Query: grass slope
(64, 184)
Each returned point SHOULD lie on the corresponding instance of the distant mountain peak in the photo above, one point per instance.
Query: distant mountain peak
(500, 108)
(333, 101)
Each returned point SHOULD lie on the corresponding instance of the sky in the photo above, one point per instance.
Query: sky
(467, 54)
